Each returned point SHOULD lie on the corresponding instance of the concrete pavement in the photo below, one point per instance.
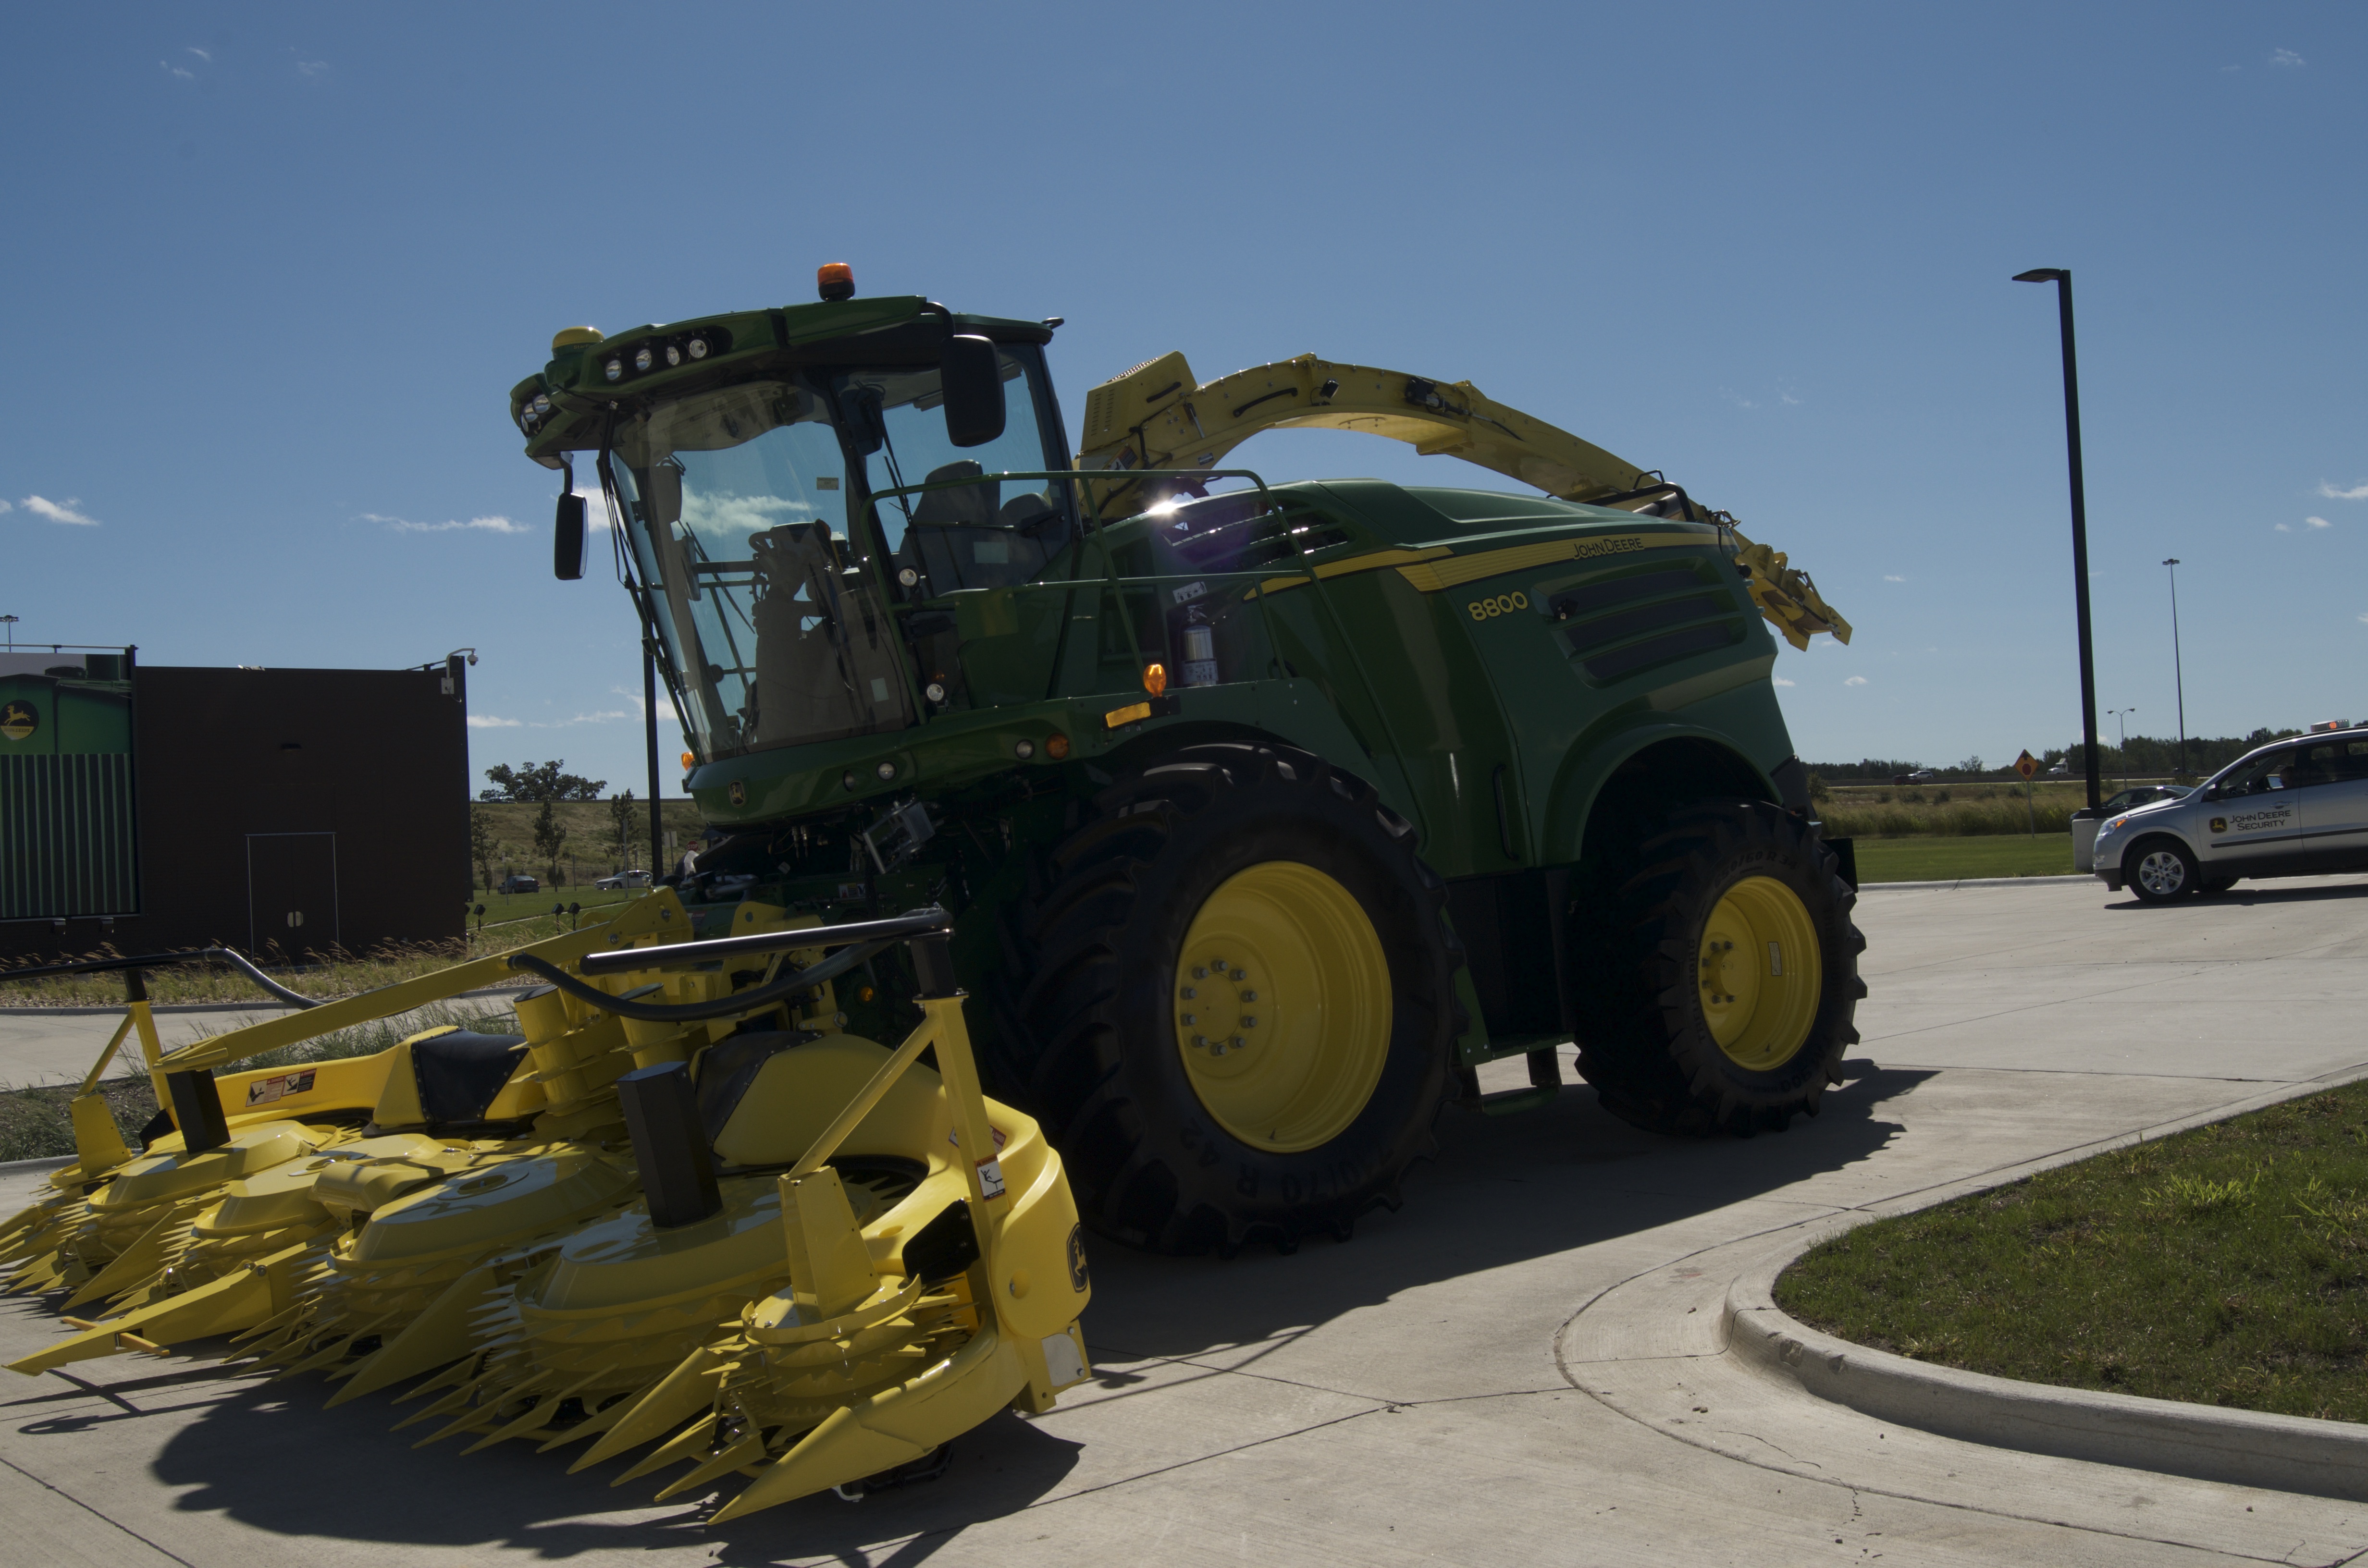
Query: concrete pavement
(1523, 1365)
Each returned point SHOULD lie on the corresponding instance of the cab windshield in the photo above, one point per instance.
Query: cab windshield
(743, 509)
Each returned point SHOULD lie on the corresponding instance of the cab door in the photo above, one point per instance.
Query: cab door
(2253, 821)
(2335, 814)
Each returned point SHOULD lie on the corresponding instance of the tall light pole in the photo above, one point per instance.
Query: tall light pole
(10, 623)
(2123, 716)
(2176, 675)
(2062, 279)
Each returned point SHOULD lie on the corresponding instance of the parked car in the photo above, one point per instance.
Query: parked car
(622, 879)
(518, 882)
(2296, 808)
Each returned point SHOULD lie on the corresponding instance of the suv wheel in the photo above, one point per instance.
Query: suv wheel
(2160, 871)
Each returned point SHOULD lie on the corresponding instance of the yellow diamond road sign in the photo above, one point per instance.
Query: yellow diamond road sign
(2026, 765)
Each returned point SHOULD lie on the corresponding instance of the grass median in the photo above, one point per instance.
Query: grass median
(2224, 1265)
(1946, 858)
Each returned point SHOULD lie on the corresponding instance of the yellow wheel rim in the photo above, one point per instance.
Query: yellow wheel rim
(1760, 973)
(1282, 1006)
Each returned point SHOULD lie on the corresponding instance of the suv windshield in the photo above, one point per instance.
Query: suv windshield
(745, 522)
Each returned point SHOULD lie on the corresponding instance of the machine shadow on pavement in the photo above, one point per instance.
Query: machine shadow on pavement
(2248, 894)
(1500, 1192)
(267, 1456)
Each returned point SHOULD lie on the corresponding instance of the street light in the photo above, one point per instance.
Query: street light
(2175, 673)
(2122, 715)
(2062, 279)
(10, 623)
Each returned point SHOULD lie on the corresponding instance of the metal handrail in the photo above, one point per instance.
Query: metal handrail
(857, 942)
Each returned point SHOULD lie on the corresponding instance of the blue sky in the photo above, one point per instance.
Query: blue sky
(271, 270)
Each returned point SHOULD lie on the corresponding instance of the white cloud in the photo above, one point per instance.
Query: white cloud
(2364, 618)
(665, 711)
(1789, 400)
(1780, 680)
(42, 507)
(483, 525)
(605, 716)
(2319, 522)
(310, 67)
(201, 53)
(184, 75)
(488, 721)
(1888, 578)
(2283, 527)
(2225, 69)
(2286, 57)
(1855, 680)
(5, 506)
(2357, 493)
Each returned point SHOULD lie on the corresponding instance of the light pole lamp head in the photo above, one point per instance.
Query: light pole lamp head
(2042, 275)
(2172, 562)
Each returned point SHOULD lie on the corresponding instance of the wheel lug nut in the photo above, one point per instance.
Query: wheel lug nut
(1241, 974)
(1199, 1039)
(1200, 974)
(1248, 1022)
(1250, 995)
(1190, 991)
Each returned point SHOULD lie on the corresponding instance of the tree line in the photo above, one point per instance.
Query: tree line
(2150, 754)
(545, 784)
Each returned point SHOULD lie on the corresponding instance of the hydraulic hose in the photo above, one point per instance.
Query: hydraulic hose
(166, 960)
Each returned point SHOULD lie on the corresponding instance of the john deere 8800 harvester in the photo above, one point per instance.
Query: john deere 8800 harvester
(1242, 823)
(1266, 815)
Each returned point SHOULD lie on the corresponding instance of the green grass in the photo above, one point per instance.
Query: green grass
(2225, 1266)
(1981, 809)
(34, 1122)
(1946, 858)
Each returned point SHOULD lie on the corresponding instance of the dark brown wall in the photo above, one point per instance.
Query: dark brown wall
(233, 764)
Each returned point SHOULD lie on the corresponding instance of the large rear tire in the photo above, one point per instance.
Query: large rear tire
(1720, 983)
(1283, 1091)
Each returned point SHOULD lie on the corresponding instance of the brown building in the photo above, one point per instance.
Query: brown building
(282, 812)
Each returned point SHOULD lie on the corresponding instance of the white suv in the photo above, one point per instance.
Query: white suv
(2297, 808)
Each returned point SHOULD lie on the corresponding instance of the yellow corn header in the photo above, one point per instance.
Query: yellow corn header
(681, 1220)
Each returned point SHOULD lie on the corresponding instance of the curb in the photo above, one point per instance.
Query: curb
(2240, 1448)
(1975, 882)
(32, 1168)
(268, 1004)
(2203, 1442)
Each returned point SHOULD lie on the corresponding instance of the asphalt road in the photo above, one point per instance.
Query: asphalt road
(1513, 1368)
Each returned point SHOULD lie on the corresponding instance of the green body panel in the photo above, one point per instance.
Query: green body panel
(1444, 712)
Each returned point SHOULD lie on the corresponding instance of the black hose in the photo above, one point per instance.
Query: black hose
(789, 986)
(166, 960)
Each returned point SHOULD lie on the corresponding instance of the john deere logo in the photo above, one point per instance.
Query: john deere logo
(739, 793)
(2219, 824)
(19, 721)
(1078, 1277)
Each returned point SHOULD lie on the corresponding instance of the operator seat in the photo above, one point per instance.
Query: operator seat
(966, 536)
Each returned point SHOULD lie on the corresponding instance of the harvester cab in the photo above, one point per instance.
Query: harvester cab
(1266, 815)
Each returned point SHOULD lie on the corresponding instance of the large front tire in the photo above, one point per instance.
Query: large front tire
(1722, 979)
(1283, 1093)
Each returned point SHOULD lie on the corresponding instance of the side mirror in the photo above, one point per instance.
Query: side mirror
(972, 380)
(567, 538)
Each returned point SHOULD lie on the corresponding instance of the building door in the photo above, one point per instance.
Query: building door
(291, 893)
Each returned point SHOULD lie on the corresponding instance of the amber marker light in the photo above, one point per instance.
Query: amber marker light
(1154, 680)
(834, 280)
(689, 761)
(1056, 745)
